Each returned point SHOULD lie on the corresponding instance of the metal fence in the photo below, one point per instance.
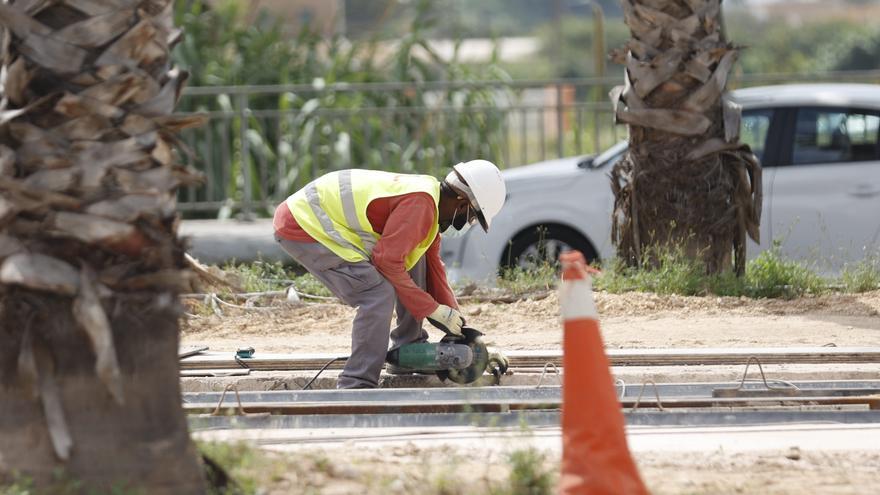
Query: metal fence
(262, 143)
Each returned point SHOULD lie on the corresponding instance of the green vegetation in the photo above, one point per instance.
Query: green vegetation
(854, 50)
(264, 276)
(769, 275)
(774, 46)
(446, 482)
(529, 474)
(466, 19)
(61, 484)
(18, 486)
(289, 139)
(250, 471)
(520, 281)
(670, 273)
(246, 466)
(862, 276)
(568, 45)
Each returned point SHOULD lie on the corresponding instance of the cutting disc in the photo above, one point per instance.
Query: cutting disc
(472, 338)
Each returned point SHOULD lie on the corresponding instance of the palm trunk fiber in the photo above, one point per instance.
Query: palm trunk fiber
(686, 183)
(142, 444)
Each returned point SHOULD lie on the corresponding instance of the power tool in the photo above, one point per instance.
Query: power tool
(462, 359)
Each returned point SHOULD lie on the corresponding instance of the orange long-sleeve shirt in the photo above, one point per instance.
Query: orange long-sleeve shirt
(402, 222)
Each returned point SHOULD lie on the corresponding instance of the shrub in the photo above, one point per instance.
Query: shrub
(289, 139)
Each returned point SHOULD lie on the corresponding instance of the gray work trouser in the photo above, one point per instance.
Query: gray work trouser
(362, 286)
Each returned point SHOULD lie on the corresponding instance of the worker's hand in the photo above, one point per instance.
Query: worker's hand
(498, 360)
(447, 319)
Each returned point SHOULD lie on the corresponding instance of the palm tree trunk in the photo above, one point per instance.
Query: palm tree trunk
(686, 181)
(142, 443)
(90, 263)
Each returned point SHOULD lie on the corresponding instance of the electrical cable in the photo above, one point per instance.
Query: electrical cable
(307, 385)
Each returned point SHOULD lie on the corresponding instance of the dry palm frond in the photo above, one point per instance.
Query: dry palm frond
(87, 173)
(686, 179)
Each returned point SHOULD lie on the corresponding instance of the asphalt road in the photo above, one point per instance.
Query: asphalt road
(219, 241)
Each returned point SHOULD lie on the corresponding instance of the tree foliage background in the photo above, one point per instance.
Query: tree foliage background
(296, 135)
(300, 134)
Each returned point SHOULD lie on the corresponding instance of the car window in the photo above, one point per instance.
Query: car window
(834, 136)
(754, 128)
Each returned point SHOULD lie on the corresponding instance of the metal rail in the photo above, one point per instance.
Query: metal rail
(482, 406)
(534, 419)
(538, 359)
(863, 76)
(383, 395)
(671, 404)
(545, 393)
(482, 400)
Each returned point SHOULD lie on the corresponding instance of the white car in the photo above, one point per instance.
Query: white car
(818, 144)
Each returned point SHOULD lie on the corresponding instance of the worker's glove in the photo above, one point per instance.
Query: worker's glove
(497, 361)
(447, 319)
(497, 365)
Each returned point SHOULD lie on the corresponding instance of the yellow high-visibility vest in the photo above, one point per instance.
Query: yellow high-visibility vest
(333, 210)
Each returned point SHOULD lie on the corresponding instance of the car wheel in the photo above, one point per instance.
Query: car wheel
(541, 245)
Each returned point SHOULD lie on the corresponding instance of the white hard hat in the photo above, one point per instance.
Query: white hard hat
(481, 181)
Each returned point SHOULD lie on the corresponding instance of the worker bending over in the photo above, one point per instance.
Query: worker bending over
(370, 236)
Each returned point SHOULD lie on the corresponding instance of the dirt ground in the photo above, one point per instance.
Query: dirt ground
(405, 470)
(632, 320)
(628, 321)
(826, 473)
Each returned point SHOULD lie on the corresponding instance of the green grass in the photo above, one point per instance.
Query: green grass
(263, 276)
(671, 273)
(520, 281)
(61, 484)
(253, 471)
(259, 276)
(18, 485)
(862, 276)
(769, 275)
(242, 463)
(529, 474)
(446, 482)
(308, 284)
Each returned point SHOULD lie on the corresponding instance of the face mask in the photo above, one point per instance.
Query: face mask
(460, 224)
(459, 221)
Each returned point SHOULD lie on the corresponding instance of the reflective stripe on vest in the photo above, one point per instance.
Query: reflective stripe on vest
(333, 210)
(314, 201)
(348, 207)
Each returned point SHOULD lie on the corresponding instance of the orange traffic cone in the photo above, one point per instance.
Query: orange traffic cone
(595, 457)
